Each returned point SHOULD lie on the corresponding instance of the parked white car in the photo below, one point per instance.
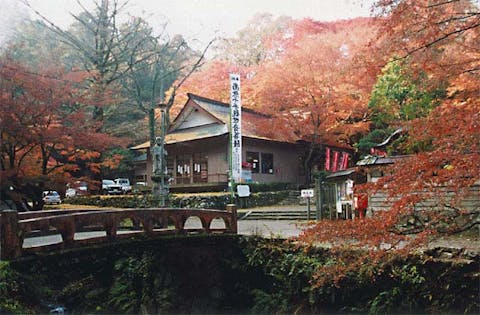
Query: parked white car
(77, 188)
(51, 197)
(70, 193)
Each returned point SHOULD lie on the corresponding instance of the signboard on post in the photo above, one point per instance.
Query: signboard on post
(243, 191)
(306, 193)
(236, 127)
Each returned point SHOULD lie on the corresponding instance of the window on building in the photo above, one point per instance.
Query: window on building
(183, 169)
(254, 159)
(200, 168)
(267, 163)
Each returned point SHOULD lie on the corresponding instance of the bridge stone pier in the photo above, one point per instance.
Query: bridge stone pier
(77, 228)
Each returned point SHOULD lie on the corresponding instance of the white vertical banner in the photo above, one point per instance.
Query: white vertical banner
(236, 126)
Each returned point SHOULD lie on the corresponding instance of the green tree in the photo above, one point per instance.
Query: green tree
(35, 46)
(163, 61)
(399, 96)
(105, 51)
(122, 163)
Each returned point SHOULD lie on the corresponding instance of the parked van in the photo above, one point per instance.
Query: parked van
(110, 187)
(125, 183)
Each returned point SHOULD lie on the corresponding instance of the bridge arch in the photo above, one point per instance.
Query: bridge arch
(218, 223)
(106, 223)
(194, 222)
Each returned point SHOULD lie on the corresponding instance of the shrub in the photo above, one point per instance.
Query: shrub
(416, 284)
(19, 293)
(204, 201)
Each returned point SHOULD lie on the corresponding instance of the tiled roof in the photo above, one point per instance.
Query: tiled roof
(380, 160)
(220, 108)
(254, 125)
(342, 173)
(252, 121)
(221, 112)
(201, 132)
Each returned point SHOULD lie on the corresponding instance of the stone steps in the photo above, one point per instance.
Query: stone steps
(277, 215)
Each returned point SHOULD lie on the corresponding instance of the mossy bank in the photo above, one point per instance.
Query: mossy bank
(231, 275)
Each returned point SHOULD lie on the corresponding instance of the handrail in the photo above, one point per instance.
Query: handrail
(150, 222)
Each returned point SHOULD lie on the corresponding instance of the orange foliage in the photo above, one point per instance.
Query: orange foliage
(213, 82)
(314, 88)
(45, 129)
(440, 38)
(112, 161)
(309, 83)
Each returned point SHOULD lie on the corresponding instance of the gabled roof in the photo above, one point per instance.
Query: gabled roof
(252, 122)
(219, 108)
(192, 105)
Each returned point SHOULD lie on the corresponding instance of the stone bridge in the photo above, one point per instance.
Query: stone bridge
(77, 228)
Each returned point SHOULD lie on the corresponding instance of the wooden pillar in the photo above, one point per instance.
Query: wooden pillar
(11, 243)
(67, 229)
(110, 226)
(318, 199)
(231, 207)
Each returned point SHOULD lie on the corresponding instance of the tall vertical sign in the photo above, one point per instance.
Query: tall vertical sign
(236, 127)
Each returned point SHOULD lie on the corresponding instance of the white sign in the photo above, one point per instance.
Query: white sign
(236, 126)
(306, 193)
(349, 190)
(243, 190)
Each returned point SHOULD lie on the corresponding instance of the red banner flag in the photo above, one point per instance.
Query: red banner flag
(345, 157)
(327, 159)
(340, 165)
(345, 162)
(336, 154)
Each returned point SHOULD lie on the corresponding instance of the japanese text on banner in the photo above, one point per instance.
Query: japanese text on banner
(236, 126)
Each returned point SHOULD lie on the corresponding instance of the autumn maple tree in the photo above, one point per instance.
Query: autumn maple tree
(440, 38)
(46, 136)
(313, 88)
(438, 41)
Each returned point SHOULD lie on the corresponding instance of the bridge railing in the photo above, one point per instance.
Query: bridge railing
(76, 228)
